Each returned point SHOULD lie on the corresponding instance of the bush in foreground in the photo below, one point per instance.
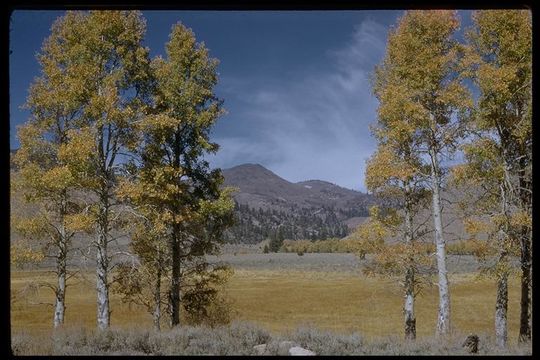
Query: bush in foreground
(238, 339)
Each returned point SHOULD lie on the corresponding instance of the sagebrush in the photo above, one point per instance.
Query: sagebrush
(239, 338)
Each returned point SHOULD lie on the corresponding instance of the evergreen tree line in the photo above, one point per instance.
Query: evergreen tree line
(255, 225)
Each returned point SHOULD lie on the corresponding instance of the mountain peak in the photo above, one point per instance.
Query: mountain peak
(250, 166)
(304, 208)
(255, 179)
(250, 171)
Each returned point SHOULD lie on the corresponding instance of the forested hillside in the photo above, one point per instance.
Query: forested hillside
(267, 206)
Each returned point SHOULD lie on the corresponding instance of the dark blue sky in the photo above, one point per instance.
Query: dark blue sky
(295, 83)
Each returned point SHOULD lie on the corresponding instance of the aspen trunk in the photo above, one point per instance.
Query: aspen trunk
(443, 319)
(501, 306)
(157, 300)
(408, 308)
(410, 319)
(61, 257)
(157, 317)
(60, 307)
(174, 291)
(102, 268)
(174, 295)
(157, 314)
(102, 260)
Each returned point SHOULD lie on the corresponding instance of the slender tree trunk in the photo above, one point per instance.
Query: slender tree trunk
(174, 295)
(102, 260)
(60, 307)
(174, 292)
(157, 300)
(410, 319)
(60, 293)
(525, 323)
(443, 320)
(501, 305)
(102, 268)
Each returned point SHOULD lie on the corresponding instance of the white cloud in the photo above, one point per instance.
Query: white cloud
(315, 127)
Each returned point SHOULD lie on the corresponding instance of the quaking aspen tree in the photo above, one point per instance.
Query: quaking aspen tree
(424, 58)
(499, 155)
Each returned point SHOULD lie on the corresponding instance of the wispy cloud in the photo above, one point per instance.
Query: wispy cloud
(312, 127)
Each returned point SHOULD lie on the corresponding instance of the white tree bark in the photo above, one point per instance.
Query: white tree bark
(501, 308)
(157, 300)
(61, 269)
(102, 284)
(443, 319)
(106, 159)
(410, 319)
(501, 304)
(60, 307)
(408, 308)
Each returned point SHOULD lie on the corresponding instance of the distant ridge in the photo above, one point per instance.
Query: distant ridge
(260, 187)
(306, 209)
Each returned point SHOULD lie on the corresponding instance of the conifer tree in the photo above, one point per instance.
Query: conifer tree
(276, 239)
(142, 282)
(175, 179)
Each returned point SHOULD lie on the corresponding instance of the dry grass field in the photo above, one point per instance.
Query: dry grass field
(283, 300)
